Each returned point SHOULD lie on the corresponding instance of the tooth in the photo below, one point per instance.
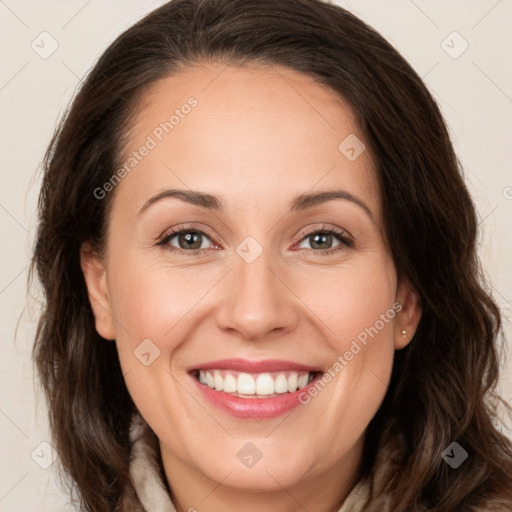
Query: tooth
(265, 384)
(261, 385)
(281, 384)
(303, 381)
(230, 385)
(292, 382)
(218, 380)
(246, 385)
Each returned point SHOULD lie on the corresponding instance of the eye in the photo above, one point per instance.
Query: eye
(321, 240)
(186, 240)
(196, 242)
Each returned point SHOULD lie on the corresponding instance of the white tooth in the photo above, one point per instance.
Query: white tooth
(209, 380)
(292, 382)
(281, 384)
(303, 381)
(229, 384)
(202, 378)
(264, 384)
(218, 380)
(246, 385)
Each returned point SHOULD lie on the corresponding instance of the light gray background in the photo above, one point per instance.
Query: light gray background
(474, 91)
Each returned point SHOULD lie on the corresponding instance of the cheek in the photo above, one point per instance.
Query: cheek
(357, 308)
(354, 301)
(152, 301)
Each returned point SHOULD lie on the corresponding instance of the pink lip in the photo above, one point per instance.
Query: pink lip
(244, 365)
(254, 408)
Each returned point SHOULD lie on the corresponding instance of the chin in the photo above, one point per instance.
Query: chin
(269, 477)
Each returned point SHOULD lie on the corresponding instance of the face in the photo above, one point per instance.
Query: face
(246, 279)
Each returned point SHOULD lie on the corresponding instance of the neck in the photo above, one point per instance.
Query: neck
(192, 490)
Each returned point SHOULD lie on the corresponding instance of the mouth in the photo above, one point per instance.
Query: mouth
(254, 390)
(254, 385)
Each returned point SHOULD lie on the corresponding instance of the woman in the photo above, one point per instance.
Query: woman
(262, 287)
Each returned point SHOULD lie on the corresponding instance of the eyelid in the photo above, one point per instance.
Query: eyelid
(325, 228)
(180, 228)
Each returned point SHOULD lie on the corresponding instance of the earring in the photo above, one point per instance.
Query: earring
(404, 333)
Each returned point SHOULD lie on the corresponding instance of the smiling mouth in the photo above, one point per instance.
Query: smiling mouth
(255, 385)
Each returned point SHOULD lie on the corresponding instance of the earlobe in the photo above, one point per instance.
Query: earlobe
(95, 276)
(408, 317)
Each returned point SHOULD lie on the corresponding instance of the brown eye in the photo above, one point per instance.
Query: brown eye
(185, 240)
(321, 241)
(326, 240)
(190, 240)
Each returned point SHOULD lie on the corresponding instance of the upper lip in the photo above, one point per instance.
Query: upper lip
(245, 365)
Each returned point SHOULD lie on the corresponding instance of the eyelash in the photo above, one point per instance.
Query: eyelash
(340, 234)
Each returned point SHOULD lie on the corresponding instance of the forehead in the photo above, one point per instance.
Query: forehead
(244, 132)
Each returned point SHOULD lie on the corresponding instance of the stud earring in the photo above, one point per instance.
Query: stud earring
(404, 333)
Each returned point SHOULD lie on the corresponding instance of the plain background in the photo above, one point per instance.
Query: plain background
(473, 88)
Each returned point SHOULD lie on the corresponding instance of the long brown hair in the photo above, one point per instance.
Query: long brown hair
(443, 383)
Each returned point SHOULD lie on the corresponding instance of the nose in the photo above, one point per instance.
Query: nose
(258, 302)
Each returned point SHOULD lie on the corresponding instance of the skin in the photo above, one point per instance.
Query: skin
(258, 138)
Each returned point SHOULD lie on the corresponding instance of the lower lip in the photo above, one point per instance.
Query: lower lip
(253, 408)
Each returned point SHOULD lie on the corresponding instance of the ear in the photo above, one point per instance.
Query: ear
(95, 276)
(408, 318)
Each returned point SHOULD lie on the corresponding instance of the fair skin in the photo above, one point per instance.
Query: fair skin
(258, 138)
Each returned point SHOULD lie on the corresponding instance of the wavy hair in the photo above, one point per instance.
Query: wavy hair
(443, 385)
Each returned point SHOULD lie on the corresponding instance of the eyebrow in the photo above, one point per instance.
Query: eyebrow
(305, 201)
(188, 196)
(211, 202)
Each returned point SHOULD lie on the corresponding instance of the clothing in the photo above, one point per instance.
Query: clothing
(152, 494)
